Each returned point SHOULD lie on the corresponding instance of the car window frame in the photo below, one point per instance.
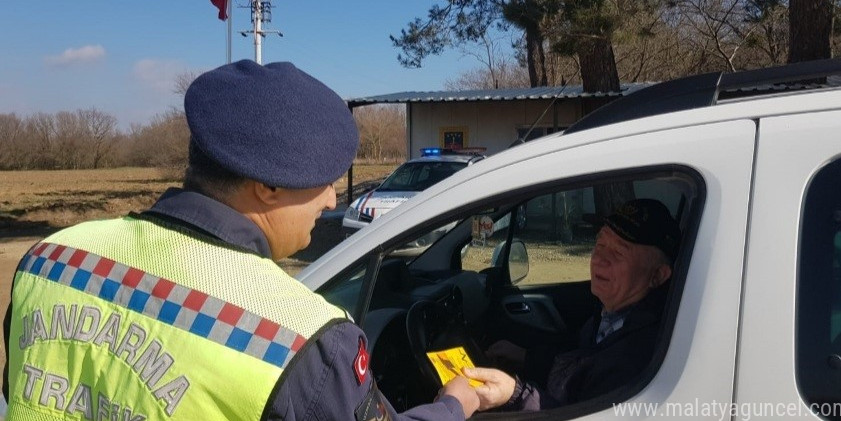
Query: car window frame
(691, 222)
(692, 219)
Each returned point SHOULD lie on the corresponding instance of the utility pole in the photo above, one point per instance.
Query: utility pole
(261, 12)
(229, 4)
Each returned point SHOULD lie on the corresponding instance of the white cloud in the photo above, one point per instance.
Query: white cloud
(159, 75)
(71, 56)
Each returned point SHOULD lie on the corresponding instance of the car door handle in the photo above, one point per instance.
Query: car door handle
(517, 308)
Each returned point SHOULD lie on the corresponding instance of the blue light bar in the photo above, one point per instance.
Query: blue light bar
(430, 151)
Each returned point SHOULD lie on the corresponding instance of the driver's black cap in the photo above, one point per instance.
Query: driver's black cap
(647, 222)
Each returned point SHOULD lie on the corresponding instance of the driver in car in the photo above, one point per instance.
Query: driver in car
(629, 267)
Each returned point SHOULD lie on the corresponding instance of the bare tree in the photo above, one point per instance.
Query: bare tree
(99, 132)
(648, 47)
(770, 39)
(183, 81)
(161, 143)
(41, 133)
(505, 74)
(683, 37)
(90, 139)
(67, 141)
(717, 29)
(12, 143)
(496, 66)
(74, 140)
(382, 132)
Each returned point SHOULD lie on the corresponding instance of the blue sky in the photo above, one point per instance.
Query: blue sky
(122, 57)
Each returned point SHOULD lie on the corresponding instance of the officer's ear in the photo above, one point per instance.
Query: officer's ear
(264, 193)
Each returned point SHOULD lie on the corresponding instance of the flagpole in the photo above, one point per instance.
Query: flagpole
(230, 26)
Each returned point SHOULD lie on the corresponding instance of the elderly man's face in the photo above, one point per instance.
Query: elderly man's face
(622, 272)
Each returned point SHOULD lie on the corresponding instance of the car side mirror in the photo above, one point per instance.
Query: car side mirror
(518, 262)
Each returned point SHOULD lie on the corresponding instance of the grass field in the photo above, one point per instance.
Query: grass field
(44, 199)
(36, 203)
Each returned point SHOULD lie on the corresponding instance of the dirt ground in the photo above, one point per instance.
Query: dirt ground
(34, 204)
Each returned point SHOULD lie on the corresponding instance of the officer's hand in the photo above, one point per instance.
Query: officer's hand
(496, 389)
(460, 389)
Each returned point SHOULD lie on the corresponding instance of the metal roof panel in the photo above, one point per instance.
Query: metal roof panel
(511, 94)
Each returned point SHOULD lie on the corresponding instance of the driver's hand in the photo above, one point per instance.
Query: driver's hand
(460, 389)
(496, 389)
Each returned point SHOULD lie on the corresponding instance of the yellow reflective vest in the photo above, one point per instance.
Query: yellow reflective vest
(128, 320)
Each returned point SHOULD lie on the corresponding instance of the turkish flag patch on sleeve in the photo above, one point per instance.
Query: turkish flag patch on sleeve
(360, 363)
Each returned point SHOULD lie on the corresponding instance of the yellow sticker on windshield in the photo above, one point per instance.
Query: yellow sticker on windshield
(449, 363)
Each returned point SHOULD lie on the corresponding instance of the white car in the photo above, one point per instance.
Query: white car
(409, 179)
(752, 327)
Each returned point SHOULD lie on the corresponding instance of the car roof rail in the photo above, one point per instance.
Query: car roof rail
(700, 91)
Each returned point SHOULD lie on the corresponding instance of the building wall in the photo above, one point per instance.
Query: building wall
(489, 124)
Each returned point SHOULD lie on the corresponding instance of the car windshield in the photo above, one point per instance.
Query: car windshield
(417, 176)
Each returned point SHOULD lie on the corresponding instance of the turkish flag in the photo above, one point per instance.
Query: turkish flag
(223, 8)
(360, 363)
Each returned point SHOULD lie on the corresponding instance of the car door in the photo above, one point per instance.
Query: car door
(708, 291)
(707, 275)
(788, 352)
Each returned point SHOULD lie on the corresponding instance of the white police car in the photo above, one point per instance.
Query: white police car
(409, 179)
(752, 324)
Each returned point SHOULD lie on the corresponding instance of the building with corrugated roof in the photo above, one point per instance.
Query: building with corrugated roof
(492, 119)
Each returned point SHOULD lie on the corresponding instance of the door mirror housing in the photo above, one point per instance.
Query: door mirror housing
(518, 262)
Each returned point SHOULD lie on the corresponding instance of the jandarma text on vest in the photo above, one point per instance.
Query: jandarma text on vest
(146, 358)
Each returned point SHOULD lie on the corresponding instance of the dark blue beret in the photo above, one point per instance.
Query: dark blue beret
(274, 124)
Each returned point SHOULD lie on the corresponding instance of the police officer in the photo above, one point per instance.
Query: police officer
(180, 312)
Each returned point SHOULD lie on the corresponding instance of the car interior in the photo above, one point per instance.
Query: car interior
(513, 267)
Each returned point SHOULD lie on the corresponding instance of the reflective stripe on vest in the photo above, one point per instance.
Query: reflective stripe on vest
(98, 335)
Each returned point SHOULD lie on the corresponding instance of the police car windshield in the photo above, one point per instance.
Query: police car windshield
(418, 176)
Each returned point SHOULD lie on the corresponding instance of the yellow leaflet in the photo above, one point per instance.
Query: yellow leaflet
(449, 363)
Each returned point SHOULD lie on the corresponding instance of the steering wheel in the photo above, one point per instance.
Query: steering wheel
(434, 326)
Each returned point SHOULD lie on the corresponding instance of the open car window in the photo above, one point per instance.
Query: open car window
(514, 267)
(558, 229)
